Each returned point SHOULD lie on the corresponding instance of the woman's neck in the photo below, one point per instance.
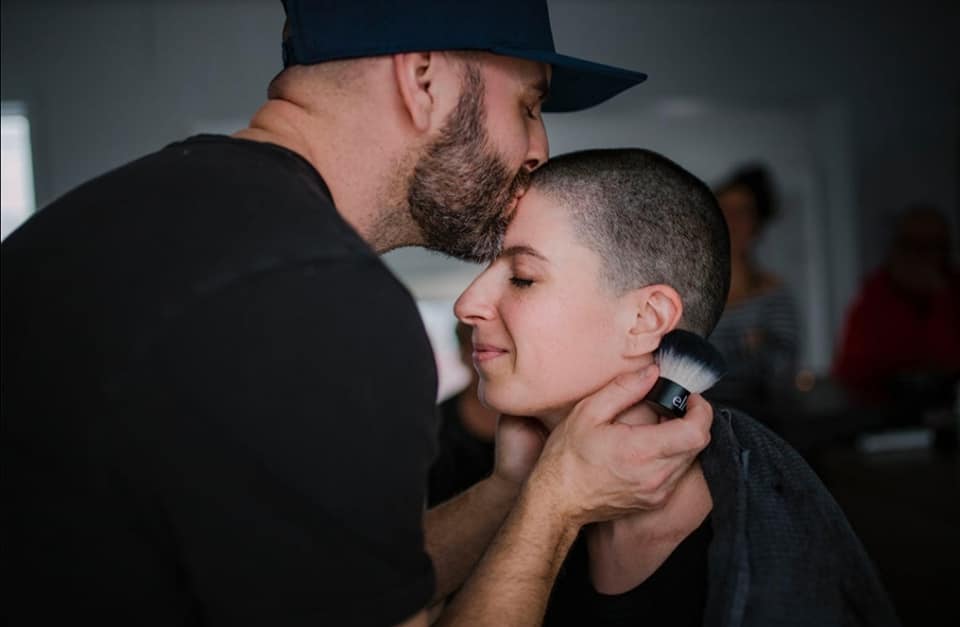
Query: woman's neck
(480, 421)
(626, 552)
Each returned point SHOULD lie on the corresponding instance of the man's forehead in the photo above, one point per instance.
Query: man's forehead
(533, 73)
(542, 82)
(536, 73)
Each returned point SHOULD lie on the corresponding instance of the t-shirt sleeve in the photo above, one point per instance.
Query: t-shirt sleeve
(285, 424)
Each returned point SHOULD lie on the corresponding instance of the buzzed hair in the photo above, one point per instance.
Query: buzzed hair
(651, 222)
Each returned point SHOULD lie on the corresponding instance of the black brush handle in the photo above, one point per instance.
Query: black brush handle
(669, 397)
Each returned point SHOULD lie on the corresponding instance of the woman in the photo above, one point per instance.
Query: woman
(610, 250)
(758, 332)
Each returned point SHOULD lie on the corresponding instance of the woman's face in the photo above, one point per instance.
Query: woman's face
(740, 211)
(546, 329)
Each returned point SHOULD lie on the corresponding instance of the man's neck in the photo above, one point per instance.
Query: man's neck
(626, 552)
(365, 174)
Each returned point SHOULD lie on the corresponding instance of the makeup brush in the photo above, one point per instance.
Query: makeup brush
(689, 364)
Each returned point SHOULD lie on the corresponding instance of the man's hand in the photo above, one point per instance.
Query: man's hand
(519, 443)
(597, 467)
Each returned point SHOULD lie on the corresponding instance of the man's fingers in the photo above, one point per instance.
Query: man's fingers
(612, 399)
(687, 435)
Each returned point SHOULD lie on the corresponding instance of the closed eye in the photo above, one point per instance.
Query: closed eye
(521, 283)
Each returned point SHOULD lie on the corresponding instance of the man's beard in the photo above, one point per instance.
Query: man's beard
(460, 190)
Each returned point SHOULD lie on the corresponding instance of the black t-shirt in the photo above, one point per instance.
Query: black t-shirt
(675, 595)
(463, 459)
(218, 403)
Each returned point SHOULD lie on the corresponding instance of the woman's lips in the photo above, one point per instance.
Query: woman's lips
(485, 352)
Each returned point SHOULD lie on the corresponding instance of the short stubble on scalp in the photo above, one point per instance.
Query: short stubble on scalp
(651, 222)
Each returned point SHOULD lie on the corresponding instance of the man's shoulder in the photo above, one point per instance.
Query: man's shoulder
(213, 187)
(198, 210)
(195, 222)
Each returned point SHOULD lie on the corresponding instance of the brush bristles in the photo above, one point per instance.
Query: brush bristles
(690, 361)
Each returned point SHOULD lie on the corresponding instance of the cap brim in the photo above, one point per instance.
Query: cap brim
(576, 84)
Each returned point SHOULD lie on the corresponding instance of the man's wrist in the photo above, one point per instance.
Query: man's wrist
(553, 523)
(544, 492)
(514, 578)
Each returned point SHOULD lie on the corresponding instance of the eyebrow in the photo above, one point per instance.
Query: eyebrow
(542, 87)
(522, 249)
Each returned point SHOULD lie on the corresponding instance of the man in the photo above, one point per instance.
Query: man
(206, 419)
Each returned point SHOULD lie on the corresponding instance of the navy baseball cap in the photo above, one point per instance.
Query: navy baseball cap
(324, 30)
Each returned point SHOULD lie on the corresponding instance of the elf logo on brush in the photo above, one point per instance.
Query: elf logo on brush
(680, 402)
(689, 365)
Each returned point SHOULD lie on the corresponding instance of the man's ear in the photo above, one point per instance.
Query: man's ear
(416, 73)
(657, 309)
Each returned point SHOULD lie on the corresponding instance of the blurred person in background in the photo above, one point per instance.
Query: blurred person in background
(467, 431)
(901, 336)
(758, 333)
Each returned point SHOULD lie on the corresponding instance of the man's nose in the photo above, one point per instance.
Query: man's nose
(539, 150)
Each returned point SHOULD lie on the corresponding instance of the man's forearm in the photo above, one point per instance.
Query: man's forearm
(512, 583)
(458, 532)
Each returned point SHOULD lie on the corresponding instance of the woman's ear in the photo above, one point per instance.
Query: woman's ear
(658, 309)
(416, 73)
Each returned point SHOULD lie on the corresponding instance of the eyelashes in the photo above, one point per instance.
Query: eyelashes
(520, 283)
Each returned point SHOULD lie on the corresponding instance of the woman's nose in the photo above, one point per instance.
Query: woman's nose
(475, 304)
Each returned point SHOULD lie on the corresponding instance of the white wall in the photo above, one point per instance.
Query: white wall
(855, 104)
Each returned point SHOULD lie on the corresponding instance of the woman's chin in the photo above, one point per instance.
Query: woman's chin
(494, 398)
(550, 415)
